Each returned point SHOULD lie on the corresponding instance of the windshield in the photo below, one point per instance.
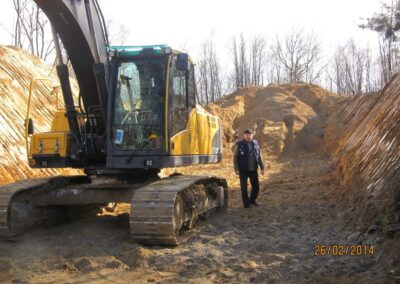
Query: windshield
(139, 104)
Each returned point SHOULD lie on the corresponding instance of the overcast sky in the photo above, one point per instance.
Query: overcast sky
(186, 23)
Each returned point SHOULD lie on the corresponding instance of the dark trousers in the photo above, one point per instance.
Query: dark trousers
(255, 187)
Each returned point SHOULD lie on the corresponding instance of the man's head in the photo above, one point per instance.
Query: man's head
(248, 135)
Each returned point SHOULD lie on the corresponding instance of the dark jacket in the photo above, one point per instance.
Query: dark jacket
(247, 156)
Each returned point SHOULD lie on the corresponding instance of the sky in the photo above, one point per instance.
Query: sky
(185, 24)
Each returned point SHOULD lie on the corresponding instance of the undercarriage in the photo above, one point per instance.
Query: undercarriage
(161, 209)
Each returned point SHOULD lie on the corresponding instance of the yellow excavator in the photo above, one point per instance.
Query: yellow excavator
(135, 114)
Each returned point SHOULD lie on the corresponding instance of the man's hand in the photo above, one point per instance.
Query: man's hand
(262, 172)
(237, 172)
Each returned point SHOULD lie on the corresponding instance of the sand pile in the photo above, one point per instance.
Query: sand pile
(286, 118)
(363, 137)
(17, 69)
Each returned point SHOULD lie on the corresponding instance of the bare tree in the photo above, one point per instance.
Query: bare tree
(210, 82)
(352, 70)
(274, 68)
(258, 60)
(389, 62)
(117, 34)
(298, 55)
(249, 59)
(32, 29)
(241, 72)
(373, 81)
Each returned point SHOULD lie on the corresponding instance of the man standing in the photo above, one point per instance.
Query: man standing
(246, 160)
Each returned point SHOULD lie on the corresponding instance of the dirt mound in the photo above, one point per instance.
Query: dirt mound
(363, 137)
(286, 118)
(17, 69)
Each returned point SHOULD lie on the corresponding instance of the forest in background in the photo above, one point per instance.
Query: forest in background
(296, 56)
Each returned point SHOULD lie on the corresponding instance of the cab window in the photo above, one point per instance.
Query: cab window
(138, 122)
(179, 99)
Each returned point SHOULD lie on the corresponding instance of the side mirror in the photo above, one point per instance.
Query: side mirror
(30, 126)
(182, 62)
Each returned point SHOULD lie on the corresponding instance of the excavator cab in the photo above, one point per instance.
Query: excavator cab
(153, 118)
(138, 103)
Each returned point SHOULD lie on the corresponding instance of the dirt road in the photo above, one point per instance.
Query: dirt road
(273, 243)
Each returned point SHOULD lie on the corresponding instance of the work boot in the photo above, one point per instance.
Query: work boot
(255, 203)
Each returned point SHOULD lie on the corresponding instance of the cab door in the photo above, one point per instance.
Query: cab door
(182, 110)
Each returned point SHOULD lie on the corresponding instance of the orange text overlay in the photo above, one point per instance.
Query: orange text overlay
(339, 250)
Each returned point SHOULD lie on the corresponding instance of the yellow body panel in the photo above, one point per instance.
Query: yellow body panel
(180, 144)
(54, 142)
(208, 126)
(50, 143)
(60, 122)
(194, 135)
(197, 138)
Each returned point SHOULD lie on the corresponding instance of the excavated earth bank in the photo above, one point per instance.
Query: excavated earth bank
(333, 179)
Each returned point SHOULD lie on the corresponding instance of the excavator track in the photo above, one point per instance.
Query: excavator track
(18, 214)
(162, 210)
(35, 202)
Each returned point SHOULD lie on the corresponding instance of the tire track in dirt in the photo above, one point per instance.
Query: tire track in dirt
(273, 243)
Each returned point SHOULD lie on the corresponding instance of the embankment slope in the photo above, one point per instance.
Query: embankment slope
(17, 69)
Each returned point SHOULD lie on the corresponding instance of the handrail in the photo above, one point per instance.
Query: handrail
(32, 83)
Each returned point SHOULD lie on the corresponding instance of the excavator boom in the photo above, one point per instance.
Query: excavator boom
(70, 21)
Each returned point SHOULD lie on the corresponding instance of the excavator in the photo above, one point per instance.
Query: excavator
(135, 114)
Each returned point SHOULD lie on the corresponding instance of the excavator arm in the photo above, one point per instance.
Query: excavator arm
(81, 27)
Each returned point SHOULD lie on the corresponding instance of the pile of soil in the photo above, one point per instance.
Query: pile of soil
(286, 119)
(17, 69)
